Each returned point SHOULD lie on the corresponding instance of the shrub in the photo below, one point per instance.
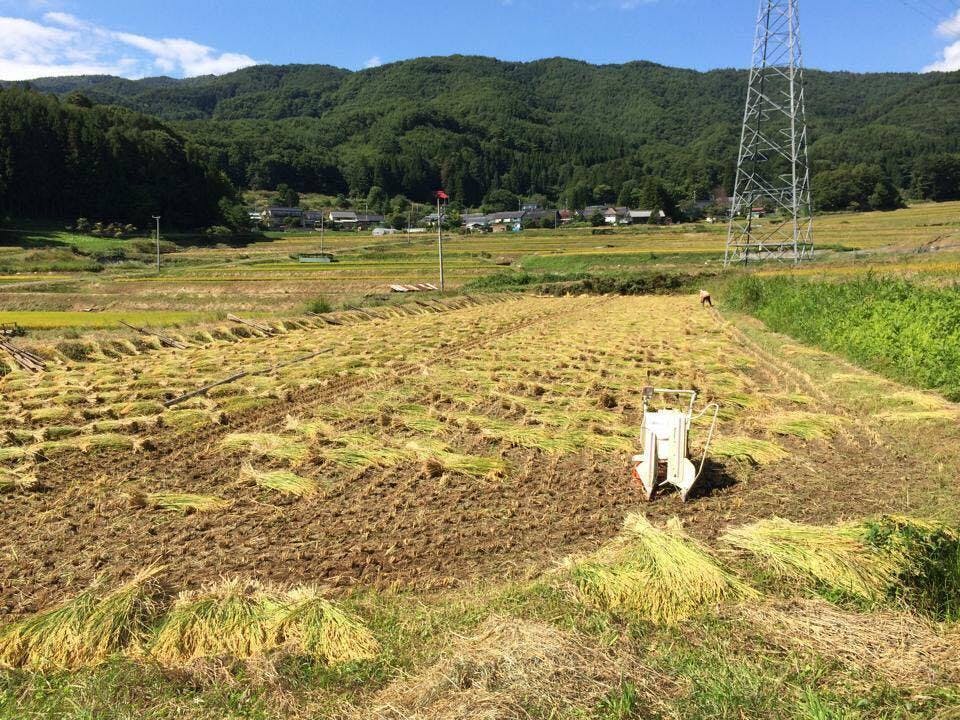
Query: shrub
(319, 306)
(148, 246)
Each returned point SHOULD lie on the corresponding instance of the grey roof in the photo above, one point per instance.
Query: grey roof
(343, 215)
(369, 217)
(474, 218)
(284, 211)
(540, 214)
(514, 215)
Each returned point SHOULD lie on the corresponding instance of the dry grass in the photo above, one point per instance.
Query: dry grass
(660, 575)
(515, 669)
(83, 631)
(903, 649)
(182, 502)
(759, 452)
(804, 425)
(282, 481)
(836, 555)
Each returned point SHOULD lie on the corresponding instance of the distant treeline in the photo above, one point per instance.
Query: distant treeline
(567, 130)
(65, 159)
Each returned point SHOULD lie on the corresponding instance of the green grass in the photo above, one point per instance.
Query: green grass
(902, 330)
(929, 579)
(610, 261)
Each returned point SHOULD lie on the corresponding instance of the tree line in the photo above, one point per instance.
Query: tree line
(67, 159)
(564, 130)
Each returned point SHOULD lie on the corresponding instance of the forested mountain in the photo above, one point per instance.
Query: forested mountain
(66, 159)
(555, 127)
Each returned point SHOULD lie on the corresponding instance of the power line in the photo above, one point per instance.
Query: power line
(916, 7)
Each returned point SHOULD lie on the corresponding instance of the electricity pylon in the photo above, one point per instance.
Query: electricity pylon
(771, 215)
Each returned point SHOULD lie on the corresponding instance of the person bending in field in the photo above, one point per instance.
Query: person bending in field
(705, 299)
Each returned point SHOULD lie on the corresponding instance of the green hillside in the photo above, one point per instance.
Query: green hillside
(67, 159)
(551, 126)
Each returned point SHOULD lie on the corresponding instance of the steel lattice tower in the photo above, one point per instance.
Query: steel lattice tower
(773, 169)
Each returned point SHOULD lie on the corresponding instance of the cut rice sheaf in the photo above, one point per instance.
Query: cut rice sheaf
(836, 556)
(185, 502)
(759, 452)
(84, 631)
(282, 481)
(804, 425)
(661, 575)
(244, 619)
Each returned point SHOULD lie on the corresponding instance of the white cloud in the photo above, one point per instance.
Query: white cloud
(65, 19)
(949, 60)
(373, 62)
(950, 28)
(950, 56)
(66, 45)
(176, 55)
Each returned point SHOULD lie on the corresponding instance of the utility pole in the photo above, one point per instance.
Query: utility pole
(157, 218)
(773, 169)
(440, 194)
(323, 213)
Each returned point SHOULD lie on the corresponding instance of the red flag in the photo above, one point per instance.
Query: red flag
(441, 194)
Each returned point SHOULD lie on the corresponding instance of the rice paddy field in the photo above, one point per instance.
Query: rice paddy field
(425, 510)
(44, 273)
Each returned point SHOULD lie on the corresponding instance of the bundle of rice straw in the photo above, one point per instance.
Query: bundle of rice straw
(835, 555)
(83, 631)
(661, 575)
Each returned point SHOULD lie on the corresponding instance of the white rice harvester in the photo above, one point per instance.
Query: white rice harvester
(665, 460)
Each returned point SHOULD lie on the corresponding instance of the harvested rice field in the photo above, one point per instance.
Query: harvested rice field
(427, 511)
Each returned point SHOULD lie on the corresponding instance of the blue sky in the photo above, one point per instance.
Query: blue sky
(193, 37)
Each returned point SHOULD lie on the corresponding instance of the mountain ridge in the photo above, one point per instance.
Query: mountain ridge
(475, 123)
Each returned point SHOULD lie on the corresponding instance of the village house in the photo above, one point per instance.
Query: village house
(476, 221)
(313, 218)
(278, 216)
(537, 217)
(365, 221)
(343, 218)
(643, 216)
(505, 221)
